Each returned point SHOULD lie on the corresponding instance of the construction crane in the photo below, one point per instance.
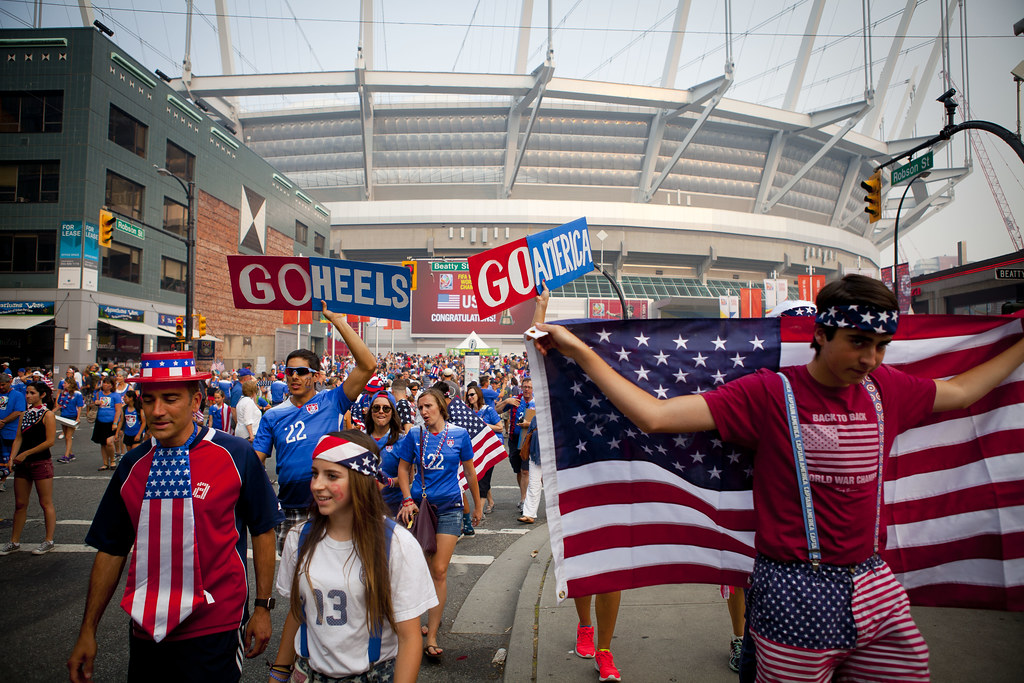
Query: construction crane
(990, 173)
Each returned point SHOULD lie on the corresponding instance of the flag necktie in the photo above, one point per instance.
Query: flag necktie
(164, 581)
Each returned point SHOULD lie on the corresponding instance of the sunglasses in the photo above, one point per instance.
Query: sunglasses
(301, 372)
(381, 409)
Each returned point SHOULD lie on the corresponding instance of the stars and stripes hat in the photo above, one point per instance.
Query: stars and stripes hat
(348, 454)
(169, 366)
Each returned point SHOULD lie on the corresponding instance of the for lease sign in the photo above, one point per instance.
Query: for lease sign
(513, 273)
(297, 282)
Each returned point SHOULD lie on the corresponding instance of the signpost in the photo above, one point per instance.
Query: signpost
(923, 163)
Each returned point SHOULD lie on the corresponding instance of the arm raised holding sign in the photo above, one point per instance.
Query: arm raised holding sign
(366, 364)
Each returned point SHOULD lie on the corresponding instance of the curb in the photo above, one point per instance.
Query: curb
(519, 663)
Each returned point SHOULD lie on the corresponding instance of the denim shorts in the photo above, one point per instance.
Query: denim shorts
(450, 522)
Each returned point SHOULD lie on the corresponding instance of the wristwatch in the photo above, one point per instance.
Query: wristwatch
(266, 603)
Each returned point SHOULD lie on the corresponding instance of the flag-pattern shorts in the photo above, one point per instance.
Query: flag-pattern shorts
(850, 622)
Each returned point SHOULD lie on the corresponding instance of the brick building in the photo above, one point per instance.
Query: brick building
(84, 127)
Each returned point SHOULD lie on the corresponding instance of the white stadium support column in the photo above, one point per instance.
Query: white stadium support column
(366, 32)
(675, 45)
(803, 56)
(836, 137)
(523, 45)
(882, 87)
(926, 75)
(88, 16)
(849, 180)
(514, 149)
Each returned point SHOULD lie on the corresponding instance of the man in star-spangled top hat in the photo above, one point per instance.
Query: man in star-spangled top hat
(184, 502)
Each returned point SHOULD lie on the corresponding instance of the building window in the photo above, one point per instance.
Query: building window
(175, 217)
(180, 163)
(35, 111)
(122, 262)
(172, 275)
(301, 233)
(318, 243)
(124, 196)
(29, 181)
(127, 131)
(22, 252)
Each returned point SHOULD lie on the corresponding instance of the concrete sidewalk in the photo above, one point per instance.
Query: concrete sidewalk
(682, 632)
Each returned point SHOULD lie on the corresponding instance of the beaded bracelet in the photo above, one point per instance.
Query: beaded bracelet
(278, 676)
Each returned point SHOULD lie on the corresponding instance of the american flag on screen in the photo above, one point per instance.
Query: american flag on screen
(627, 509)
(447, 302)
(487, 447)
(164, 581)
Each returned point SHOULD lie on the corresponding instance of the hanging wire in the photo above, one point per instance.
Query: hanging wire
(303, 34)
(469, 27)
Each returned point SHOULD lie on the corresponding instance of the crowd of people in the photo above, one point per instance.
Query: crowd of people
(364, 447)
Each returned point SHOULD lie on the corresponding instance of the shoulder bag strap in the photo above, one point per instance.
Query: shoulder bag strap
(303, 640)
(803, 482)
(876, 401)
(373, 649)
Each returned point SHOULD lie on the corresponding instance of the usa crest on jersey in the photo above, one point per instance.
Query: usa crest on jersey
(312, 407)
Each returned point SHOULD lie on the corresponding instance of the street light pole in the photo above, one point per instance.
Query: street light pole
(189, 187)
(896, 225)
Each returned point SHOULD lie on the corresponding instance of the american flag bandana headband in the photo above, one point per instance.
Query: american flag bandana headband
(348, 454)
(165, 583)
(859, 316)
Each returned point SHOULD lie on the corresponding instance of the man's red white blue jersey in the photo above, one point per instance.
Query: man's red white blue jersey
(231, 496)
(291, 432)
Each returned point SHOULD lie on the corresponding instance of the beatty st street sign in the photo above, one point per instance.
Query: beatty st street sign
(914, 168)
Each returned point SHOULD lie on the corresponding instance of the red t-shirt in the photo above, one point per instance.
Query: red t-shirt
(840, 432)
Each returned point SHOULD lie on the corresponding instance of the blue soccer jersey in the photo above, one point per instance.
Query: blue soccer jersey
(442, 455)
(291, 432)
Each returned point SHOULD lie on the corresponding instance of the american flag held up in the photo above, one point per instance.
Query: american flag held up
(487, 447)
(627, 509)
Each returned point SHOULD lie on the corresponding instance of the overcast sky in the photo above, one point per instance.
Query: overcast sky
(621, 42)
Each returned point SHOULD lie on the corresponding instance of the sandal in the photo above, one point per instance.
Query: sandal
(488, 508)
(435, 655)
(101, 469)
(526, 520)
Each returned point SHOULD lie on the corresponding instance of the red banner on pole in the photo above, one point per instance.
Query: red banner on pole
(810, 285)
(750, 303)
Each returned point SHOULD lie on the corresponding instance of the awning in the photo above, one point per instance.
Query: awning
(138, 328)
(22, 322)
(205, 337)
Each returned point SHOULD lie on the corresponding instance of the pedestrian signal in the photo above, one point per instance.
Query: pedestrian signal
(107, 222)
(873, 185)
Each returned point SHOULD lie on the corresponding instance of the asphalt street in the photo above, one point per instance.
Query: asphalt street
(43, 596)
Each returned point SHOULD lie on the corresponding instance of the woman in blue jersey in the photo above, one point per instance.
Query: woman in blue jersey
(133, 421)
(108, 416)
(437, 448)
(70, 401)
(385, 428)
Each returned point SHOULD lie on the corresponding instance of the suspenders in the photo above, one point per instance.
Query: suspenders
(800, 461)
(373, 648)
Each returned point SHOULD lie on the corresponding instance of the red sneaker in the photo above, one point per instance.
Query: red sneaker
(605, 666)
(585, 641)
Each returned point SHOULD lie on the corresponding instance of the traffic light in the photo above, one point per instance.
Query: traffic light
(202, 326)
(411, 265)
(107, 222)
(179, 328)
(873, 185)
